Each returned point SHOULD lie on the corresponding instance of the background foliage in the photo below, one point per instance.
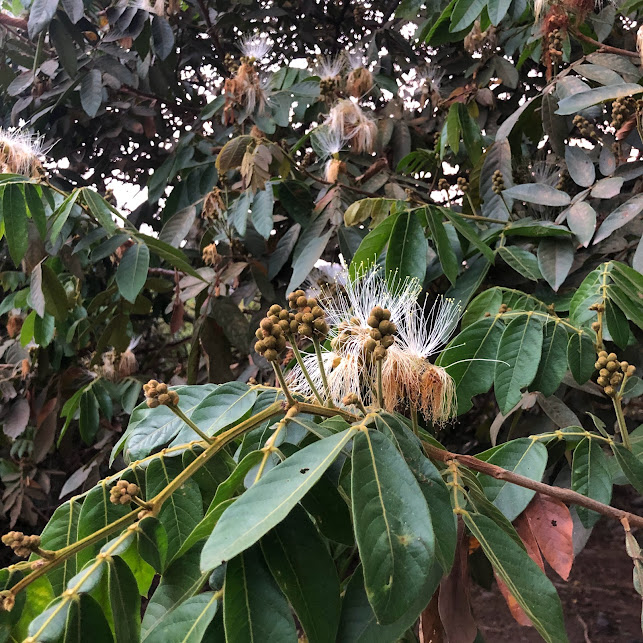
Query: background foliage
(98, 296)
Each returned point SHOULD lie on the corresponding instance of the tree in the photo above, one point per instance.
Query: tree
(484, 151)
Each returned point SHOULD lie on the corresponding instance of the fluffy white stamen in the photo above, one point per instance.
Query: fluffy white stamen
(19, 152)
(257, 46)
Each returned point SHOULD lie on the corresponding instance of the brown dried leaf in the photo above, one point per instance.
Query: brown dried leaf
(17, 418)
(515, 609)
(431, 630)
(552, 526)
(454, 604)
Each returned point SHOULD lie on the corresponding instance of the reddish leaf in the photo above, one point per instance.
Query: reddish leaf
(529, 541)
(431, 630)
(454, 604)
(176, 321)
(515, 609)
(552, 526)
(47, 408)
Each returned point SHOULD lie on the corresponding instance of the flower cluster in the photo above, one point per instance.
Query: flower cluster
(21, 544)
(379, 320)
(611, 372)
(20, 152)
(123, 492)
(158, 394)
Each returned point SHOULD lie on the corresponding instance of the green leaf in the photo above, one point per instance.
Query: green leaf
(55, 295)
(406, 256)
(469, 233)
(522, 261)
(61, 531)
(14, 212)
(392, 526)
(579, 101)
(183, 510)
(375, 209)
(86, 622)
(580, 166)
(181, 580)
(553, 361)
(174, 256)
(617, 324)
(305, 571)
(177, 226)
(431, 484)
(372, 245)
(61, 214)
(539, 193)
(497, 10)
(36, 209)
(470, 359)
(230, 403)
(40, 14)
(523, 456)
(617, 219)
(89, 417)
(581, 219)
(131, 273)
(270, 500)
(100, 209)
(358, 623)
(49, 626)
(124, 600)
(581, 357)
(519, 349)
(231, 154)
(262, 208)
(525, 580)
(464, 13)
(91, 92)
(454, 129)
(97, 512)
(631, 466)
(446, 254)
(162, 37)
(496, 158)
(253, 607)
(591, 477)
(188, 622)
(152, 542)
(555, 258)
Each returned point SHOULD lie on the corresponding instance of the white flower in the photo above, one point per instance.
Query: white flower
(348, 120)
(408, 376)
(19, 152)
(328, 68)
(328, 141)
(257, 46)
(639, 42)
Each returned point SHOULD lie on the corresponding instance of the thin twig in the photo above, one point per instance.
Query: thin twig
(602, 47)
(565, 495)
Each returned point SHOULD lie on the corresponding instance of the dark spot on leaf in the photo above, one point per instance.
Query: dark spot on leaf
(305, 470)
(554, 523)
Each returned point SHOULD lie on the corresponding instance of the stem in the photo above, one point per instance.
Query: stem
(300, 361)
(322, 371)
(602, 47)
(380, 392)
(414, 418)
(326, 412)
(565, 495)
(282, 382)
(218, 443)
(599, 332)
(620, 418)
(268, 447)
(177, 411)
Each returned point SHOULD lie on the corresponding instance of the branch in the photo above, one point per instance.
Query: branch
(603, 47)
(566, 495)
(11, 21)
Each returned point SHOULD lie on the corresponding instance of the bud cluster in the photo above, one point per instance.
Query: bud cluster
(585, 128)
(497, 182)
(382, 333)
(555, 43)
(22, 545)
(443, 184)
(270, 335)
(123, 492)
(622, 109)
(158, 394)
(463, 184)
(611, 372)
(309, 317)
